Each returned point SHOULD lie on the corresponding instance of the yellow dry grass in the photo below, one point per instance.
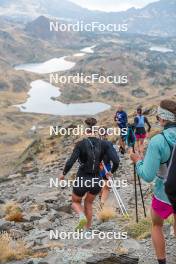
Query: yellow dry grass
(12, 249)
(13, 212)
(106, 213)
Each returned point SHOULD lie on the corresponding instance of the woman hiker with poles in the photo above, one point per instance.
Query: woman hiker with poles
(89, 152)
(140, 132)
(154, 168)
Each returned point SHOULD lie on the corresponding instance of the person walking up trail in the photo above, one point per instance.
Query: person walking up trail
(89, 152)
(140, 132)
(154, 167)
(121, 119)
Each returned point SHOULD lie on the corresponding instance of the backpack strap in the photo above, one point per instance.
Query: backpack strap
(171, 149)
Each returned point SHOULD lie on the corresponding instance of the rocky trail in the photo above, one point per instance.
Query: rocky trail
(45, 209)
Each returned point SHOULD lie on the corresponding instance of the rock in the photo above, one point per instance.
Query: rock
(2, 201)
(23, 199)
(36, 261)
(51, 199)
(14, 176)
(30, 262)
(66, 209)
(53, 215)
(42, 248)
(27, 226)
(37, 236)
(44, 223)
(16, 234)
(108, 226)
(112, 258)
(5, 225)
(32, 217)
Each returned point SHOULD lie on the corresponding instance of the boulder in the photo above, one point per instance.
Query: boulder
(5, 225)
(112, 258)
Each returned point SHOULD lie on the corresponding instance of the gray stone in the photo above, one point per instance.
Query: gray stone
(5, 225)
(2, 201)
(27, 226)
(131, 244)
(34, 217)
(23, 199)
(112, 258)
(66, 208)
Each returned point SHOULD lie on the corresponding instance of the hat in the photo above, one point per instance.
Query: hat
(167, 110)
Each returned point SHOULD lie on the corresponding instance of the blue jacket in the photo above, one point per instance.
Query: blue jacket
(122, 118)
(158, 152)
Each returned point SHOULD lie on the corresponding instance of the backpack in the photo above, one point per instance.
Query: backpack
(93, 153)
(130, 138)
(170, 183)
(141, 121)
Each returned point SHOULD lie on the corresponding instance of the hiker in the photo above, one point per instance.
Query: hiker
(154, 168)
(122, 120)
(107, 163)
(139, 123)
(89, 152)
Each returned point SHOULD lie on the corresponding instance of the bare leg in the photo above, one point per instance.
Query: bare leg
(138, 145)
(120, 142)
(123, 144)
(88, 202)
(105, 194)
(141, 146)
(76, 204)
(158, 235)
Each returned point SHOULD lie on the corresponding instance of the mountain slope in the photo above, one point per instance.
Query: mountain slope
(158, 18)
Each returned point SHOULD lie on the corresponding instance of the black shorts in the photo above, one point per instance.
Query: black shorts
(89, 183)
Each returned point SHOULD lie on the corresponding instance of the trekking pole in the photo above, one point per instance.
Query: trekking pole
(118, 198)
(135, 189)
(140, 187)
(125, 213)
(142, 196)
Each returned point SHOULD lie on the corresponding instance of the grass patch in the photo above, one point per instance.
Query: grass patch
(139, 230)
(106, 213)
(13, 212)
(12, 249)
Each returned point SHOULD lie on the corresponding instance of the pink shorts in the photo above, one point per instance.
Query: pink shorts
(140, 136)
(162, 209)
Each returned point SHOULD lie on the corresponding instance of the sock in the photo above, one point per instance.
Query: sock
(161, 261)
(81, 215)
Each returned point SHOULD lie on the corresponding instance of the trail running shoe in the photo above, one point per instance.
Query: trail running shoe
(81, 224)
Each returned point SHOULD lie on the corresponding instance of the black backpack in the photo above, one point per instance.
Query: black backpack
(170, 183)
(93, 153)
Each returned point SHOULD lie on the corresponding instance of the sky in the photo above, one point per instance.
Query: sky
(112, 5)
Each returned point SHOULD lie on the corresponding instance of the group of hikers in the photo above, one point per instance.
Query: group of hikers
(99, 159)
(139, 125)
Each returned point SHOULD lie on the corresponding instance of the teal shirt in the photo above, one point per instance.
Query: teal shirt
(158, 152)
